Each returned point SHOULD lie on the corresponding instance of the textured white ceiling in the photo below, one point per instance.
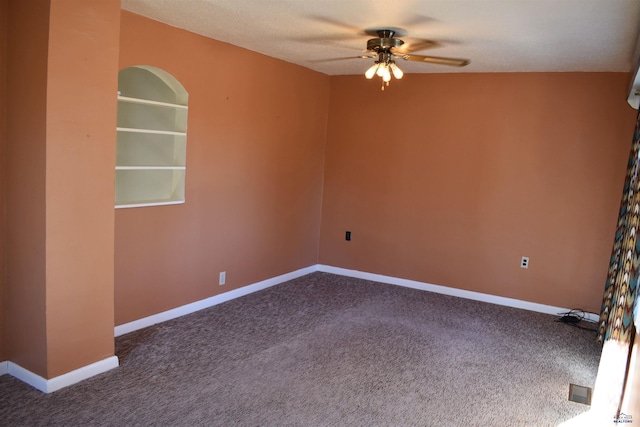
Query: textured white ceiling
(496, 35)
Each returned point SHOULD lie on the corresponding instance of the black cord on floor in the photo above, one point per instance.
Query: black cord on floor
(575, 316)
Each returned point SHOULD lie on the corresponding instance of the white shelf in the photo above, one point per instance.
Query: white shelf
(149, 186)
(151, 131)
(151, 138)
(152, 203)
(150, 168)
(149, 102)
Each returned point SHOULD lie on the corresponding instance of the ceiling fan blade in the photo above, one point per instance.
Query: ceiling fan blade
(416, 20)
(327, 38)
(409, 47)
(456, 62)
(327, 20)
(342, 58)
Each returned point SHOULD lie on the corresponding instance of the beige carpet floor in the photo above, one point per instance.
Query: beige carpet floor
(325, 350)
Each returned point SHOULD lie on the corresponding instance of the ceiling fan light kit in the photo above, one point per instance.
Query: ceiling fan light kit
(384, 68)
(387, 47)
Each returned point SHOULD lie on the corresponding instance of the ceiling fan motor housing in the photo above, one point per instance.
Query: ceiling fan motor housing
(384, 42)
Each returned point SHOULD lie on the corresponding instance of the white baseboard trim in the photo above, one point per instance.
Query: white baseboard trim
(4, 368)
(64, 380)
(460, 293)
(246, 290)
(210, 302)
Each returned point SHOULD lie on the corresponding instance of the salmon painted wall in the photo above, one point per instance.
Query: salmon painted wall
(450, 179)
(255, 145)
(80, 154)
(4, 4)
(28, 36)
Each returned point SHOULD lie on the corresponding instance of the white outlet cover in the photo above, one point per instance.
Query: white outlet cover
(223, 277)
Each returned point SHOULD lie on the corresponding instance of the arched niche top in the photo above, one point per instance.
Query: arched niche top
(151, 83)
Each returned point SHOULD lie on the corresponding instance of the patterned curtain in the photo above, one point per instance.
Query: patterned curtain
(617, 329)
(616, 314)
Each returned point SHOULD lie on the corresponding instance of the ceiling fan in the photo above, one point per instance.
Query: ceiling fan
(386, 47)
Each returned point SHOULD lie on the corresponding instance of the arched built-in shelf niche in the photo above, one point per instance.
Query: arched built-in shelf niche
(152, 138)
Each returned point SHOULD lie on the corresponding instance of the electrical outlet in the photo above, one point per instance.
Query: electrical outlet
(223, 278)
(347, 235)
(524, 262)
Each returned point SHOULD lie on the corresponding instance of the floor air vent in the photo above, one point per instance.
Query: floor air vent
(580, 394)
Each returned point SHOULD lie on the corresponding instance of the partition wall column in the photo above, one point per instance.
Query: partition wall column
(62, 58)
